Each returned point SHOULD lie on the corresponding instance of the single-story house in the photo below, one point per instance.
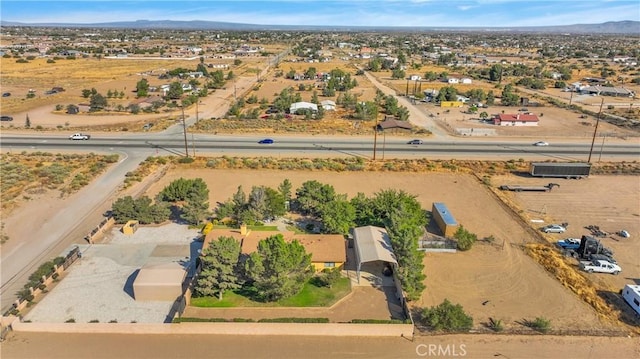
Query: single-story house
(520, 119)
(328, 105)
(327, 250)
(392, 123)
(297, 106)
(607, 91)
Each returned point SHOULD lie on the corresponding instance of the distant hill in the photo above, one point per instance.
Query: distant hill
(611, 27)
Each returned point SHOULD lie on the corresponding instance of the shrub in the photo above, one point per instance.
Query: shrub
(495, 325)
(447, 317)
(70, 320)
(186, 160)
(540, 324)
(465, 238)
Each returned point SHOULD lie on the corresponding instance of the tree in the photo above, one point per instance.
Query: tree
(127, 208)
(278, 269)
(398, 73)
(193, 192)
(219, 268)
(403, 113)
(175, 90)
(97, 102)
(447, 317)
(390, 105)
(338, 217)
(312, 196)
(142, 88)
(484, 115)
(27, 122)
(465, 238)
(495, 73)
(275, 203)
(285, 189)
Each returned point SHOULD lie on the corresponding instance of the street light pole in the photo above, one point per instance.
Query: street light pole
(596, 130)
(184, 130)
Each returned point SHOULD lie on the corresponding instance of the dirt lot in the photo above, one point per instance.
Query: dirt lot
(509, 283)
(590, 202)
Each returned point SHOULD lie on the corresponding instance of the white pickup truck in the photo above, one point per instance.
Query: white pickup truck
(600, 266)
(79, 136)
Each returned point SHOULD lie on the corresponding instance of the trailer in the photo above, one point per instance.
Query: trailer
(518, 188)
(561, 170)
(631, 295)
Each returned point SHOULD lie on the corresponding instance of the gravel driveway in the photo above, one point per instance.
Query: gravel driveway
(99, 286)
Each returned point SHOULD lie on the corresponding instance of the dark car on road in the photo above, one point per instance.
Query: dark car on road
(6, 118)
(266, 141)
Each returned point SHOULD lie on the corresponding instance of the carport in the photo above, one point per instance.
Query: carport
(372, 244)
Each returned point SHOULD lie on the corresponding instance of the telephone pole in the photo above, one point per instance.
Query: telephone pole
(596, 130)
(184, 129)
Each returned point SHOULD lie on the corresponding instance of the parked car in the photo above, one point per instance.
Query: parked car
(541, 143)
(266, 141)
(415, 142)
(554, 228)
(6, 118)
(6, 94)
(569, 243)
(79, 136)
(624, 234)
(600, 266)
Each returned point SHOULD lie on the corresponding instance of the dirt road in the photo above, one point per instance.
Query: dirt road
(96, 346)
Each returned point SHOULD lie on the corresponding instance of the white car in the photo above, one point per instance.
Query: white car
(554, 228)
(79, 136)
(541, 143)
(600, 266)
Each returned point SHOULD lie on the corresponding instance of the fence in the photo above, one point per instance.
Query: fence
(46, 280)
(99, 231)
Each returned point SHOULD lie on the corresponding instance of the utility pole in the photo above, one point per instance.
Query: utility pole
(184, 129)
(596, 130)
(197, 100)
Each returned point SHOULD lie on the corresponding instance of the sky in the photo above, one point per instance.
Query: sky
(410, 13)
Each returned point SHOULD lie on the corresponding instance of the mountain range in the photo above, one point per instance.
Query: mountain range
(611, 27)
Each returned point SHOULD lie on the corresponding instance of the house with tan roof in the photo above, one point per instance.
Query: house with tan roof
(327, 250)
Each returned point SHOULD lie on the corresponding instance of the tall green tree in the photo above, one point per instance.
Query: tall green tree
(97, 102)
(278, 269)
(219, 268)
(312, 197)
(142, 88)
(175, 90)
(338, 217)
(285, 189)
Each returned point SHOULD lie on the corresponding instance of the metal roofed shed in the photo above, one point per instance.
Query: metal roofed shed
(372, 244)
(444, 219)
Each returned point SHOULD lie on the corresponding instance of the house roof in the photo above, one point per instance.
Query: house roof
(373, 244)
(302, 105)
(393, 123)
(521, 117)
(323, 247)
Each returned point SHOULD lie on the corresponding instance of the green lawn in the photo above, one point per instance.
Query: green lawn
(309, 296)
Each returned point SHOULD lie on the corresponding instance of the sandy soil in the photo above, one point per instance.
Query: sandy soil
(81, 346)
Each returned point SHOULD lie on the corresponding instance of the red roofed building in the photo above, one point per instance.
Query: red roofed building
(520, 119)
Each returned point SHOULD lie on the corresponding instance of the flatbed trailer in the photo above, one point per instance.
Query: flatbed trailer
(518, 188)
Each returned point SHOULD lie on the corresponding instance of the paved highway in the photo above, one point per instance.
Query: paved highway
(389, 148)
